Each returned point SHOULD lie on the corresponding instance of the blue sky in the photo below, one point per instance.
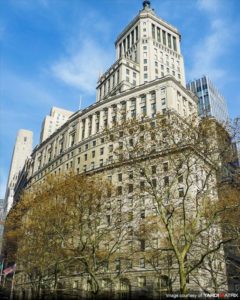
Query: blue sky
(52, 52)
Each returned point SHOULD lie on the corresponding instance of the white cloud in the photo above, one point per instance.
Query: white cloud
(82, 68)
(207, 54)
(209, 5)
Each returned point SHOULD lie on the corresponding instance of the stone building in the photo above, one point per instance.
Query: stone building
(22, 150)
(146, 82)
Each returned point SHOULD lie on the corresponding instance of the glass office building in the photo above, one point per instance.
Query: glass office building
(211, 102)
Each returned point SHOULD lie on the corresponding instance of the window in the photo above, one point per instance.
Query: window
(141, 281)
(142, 262)
(117, 265)
(164, 37)
(129, 264)
(154, 183)
(174, 44)
(78, 160)
(142, 185)
(142, 214)
(130, 176)
(85, 157)
(108, 218)
(165, 166)
(130, 188)
(102, 140)
(181, 192)
(110, 148)
(101, 151)
(101, 162)
(166, 181)
(153, 31)
(86, 146)
(119, 190)
(93, 154)
(142, 245)
(154, 169)
(145, 68)
(145, 61)
(169, 41)
(127, 71)
(120, 177)
(180, 179)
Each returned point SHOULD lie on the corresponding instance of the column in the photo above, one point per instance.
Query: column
(93, 124)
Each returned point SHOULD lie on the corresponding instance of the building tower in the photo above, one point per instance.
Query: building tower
(210, 101)
(51, 123)
(22, 150)
(148, 48)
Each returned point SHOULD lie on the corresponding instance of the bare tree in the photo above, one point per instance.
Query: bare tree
(178, 168)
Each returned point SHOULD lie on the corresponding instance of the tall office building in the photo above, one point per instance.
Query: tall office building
(147, 81)
(22, 150)
(211, 102)
(147, 49)
(51, 123)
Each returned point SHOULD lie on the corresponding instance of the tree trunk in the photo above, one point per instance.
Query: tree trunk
(183, 278)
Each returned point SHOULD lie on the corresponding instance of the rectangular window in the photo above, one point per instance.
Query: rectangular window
(166, 181)
(93, 154)
(117, 265)
(101, 151)
(174, 44)
(142, 245)
(164, 37)
(119, 190)
(142, 262)
(158, 35)
(120, 177)
(165, 166)
(136, 33)
(142, 185)
(181, 192)
(85, 157)
(141, 281)
(154, 169)
(153, 31)
(142, 214)
(130, 188)
(169, 41)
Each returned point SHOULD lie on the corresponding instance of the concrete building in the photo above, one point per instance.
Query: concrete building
(146, 80)
(22, 150)
(51, 123)
(210, 101)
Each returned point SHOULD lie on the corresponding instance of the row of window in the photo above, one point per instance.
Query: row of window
(163, 37)
(128, 42)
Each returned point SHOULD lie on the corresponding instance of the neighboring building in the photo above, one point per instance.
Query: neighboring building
(147, 79)
(210, 101)
(22, 150)
(51, 123)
